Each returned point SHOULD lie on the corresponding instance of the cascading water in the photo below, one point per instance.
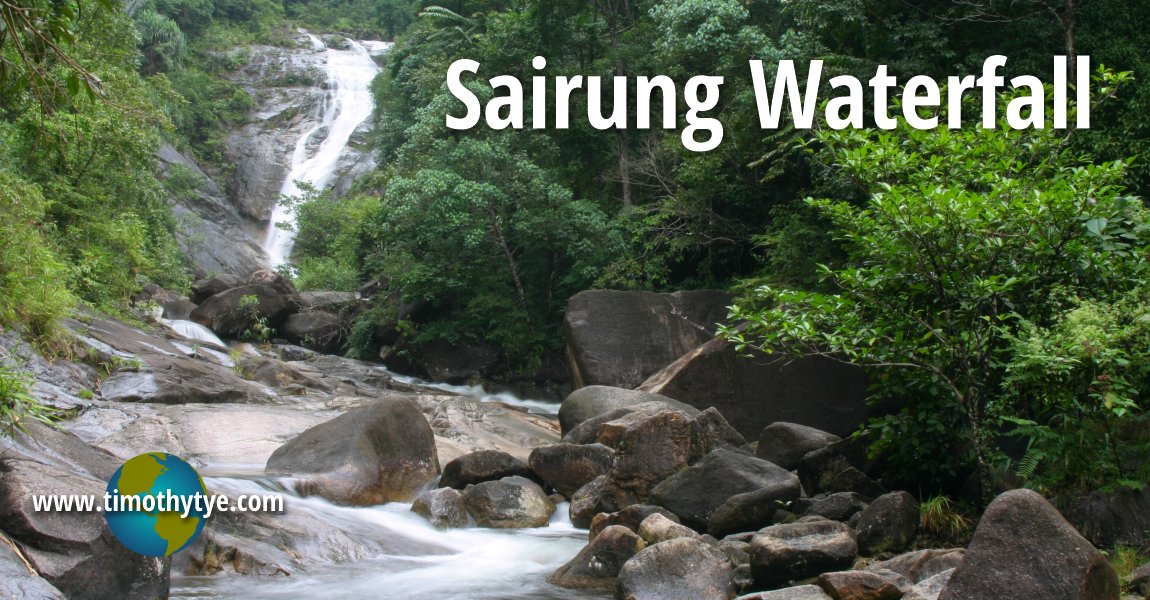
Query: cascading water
(347, 104)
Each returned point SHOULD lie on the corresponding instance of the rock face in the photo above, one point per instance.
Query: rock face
(598, 563)
(678, 569)
(697, 491)
(622, 338)
(442, 506)
(17, 582)
(510, 503)
(73, 551)
(224, 313)
(785, 444)
(1112, 519)
(783, 553)
(321, 331)
(477, 467)
(1059, 563)
(592, 401)
(568, 467)
(204, 217)
(889, 524)
(378, 453)
(755, 392)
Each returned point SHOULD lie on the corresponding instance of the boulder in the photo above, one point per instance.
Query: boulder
(801, 592)
(657, 528)
(381, 452)
(272, 279)
(838, 467)
(697, 491)
(650, 448)
(587, 432)
(484, 465)
(568, 467)
(784, 553)
(889, 524)
(929, 588)
(458, 363)
(839, 506)
(630, 517)
(333, 302)
(510, 503)
(597, 565)
(621, 338)
(679, 569)
(863, 585)
(203, 289)
(749, 511)
(589, 501)
(321, 331)
(18, 581)
(224, 313)
(753, 393)
(443, 507)
(1023, 548)
(74, 552)
(590, 402)
(1139, 580)
(1109, 519)
(922, 564)
(785, 444)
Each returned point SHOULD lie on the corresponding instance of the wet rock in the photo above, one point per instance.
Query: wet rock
(1059, 563)
(678, 569)
(223, 313)
(484, 465)
(657, 528)
(621, 338)
(784, 553)
(889, 524)
(597, 565)
(749, 511)
(510, 503)
(863, 585)
(922, 564)
(630, 517)
(929, 588)
(332, 302)
(816, 391)
(802, 592)
(568, 467)
(590, 402)
(697, 491)
(785, 444)
(321, 331)
(443, 507)
(202, 289)
(73, 551)
(839, 506)
(382, 452)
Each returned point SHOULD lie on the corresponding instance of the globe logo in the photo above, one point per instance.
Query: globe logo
(155, 504)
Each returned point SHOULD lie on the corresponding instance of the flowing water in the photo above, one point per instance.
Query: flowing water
(345, 107)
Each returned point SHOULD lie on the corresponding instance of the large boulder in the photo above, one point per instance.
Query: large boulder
(785, 444)
(73, 551)
(754, 392)
(658, 528)
(589, 501)
(621, 338)
(592, 401)
(838, 467)
(443, 507)
(510, 503)
(333, 302)
(864, 585)
(202, 289)
(226, 313)
(321, 331)
(749, 511)
(1023, 548)
(840, 506)
(794, 551)
(631, 517)
(381, 452)
(1114, 518)
(679, 569)
(597, 565)
(484, 465)
(568, 467)
(889, 524)
(920, 565)
(697, 491)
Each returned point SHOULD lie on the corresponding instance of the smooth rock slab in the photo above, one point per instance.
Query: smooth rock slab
(678, 569)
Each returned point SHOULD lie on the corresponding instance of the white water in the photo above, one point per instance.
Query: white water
(389, 552)
(347, 104)
(194, 332)
(540, 407)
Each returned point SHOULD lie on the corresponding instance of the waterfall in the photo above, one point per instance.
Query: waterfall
(346, 105)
